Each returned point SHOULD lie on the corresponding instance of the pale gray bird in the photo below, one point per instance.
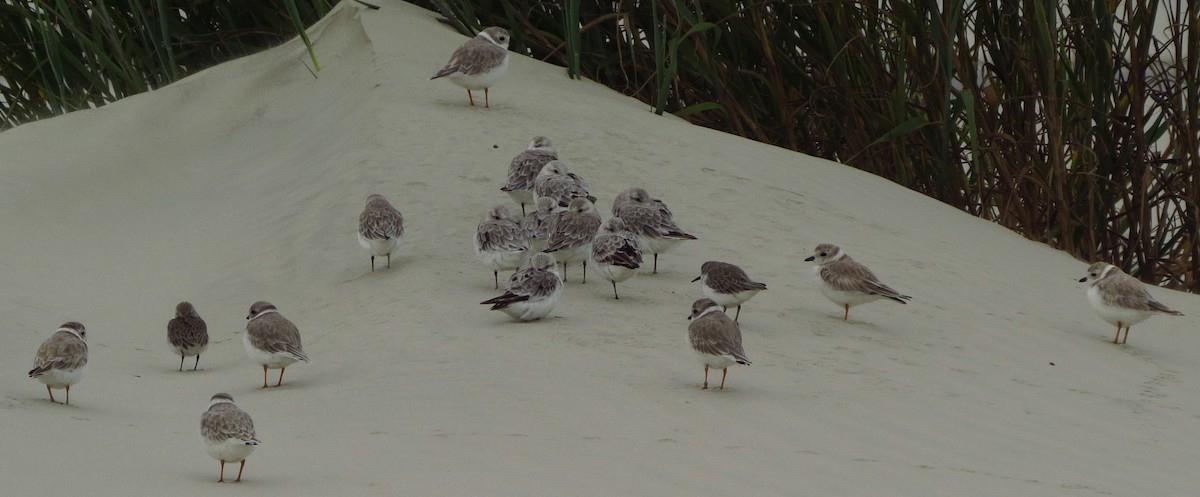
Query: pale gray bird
(380, 228)
(62, 359)
(272, 340)
(715, 338)
(1121, 299)
(228, 433)
(524, 170)
(847, 282)
(478, 63)
(727, 284)
(616, 252)
(500, 242)
(651, 220)
(572, 233)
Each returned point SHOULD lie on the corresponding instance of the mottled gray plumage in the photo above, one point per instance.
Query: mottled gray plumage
(500, 241)
(727, 284)
(616, 252)
(187, 333)
(61, 359)
(556, 181)
(380, 227)
(715, 338)
(572, 233)
(228, 433)
(531, 292)
(480, 54)
(524, 169)
(272, 340)
(538, 223)
(651, 220)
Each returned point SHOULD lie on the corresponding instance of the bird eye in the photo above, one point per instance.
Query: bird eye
(823, 254)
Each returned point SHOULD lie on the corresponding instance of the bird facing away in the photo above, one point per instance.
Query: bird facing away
(271, 340)
(651, 220)
(572, 233)
(538, 223)
(380, 227)
(715, 338)
(187, 333)
(500, 242)
(532, 292)
(478, 63)
(847, 282)
(556, 181)
(616, 253)
(727, 284)
(62, 359)
(1120, 299)
(524, 170)
(228, 433)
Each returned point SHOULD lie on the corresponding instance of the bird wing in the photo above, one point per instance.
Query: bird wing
(507, 236)
(380, 224)
(526, 284)
(848, 275)
(275, 334)
(731, 279)
(1126, 291)
(616, 249)
(473, 57)
(187, 332)
(712, 335)
(224, 421)
(524, 169)
(572, 230)
(63, 351)
(653, 220)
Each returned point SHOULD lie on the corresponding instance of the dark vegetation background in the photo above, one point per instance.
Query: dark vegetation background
(1075, 123)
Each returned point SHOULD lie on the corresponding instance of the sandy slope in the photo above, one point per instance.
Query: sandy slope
(244, 182)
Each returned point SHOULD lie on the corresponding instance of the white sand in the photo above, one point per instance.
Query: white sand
(244, 182)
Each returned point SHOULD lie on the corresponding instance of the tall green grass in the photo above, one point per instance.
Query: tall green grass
(1075, 123)
(62, 55)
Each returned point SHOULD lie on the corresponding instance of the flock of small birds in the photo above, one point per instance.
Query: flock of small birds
(562, 227)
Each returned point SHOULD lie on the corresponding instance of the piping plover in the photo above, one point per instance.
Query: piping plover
(539, 222)
(727, 284)
(62, 359)
(532, 292)
(271, 340)
(228, 433)
(616, 253)
(380, 227)
(524, 170)
(1120, 299)
(572, 234)
(500, 242)
(556, 181)
(478, 63)
(847, 282)
(187, 333)
(651, 220)
(715, 338)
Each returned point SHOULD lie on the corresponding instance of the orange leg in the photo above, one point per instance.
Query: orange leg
(1126, 339)
(240, 468)
(705, 378)
(486, 104)
(846, 317)
(1118, 337)
(51, 392)
(222, 480)
(264, 376)
(281, 370)
(471, 98)
(723, 373)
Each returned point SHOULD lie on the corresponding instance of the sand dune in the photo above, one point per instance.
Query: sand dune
(244, 183)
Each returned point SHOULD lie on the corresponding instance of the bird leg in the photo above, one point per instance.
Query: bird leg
(724, 372)
(222, 480)
(705, 387)
(739, 314)
(585, 271)
(68, 402)
(846, 317)
(470, 97)
(372, 264)
(1126, 339)
(197, 365)
(522, 210)
(264, 376)
(496, 276)
(181, 361)
(280, 382)
(51, 392)
(615, 291)
(486, 104)
(655, 264)
(1118, 337)
(389, 264)
(240, 468)
(564, 272)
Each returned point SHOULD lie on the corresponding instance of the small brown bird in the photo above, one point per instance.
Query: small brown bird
(380, 228)
(847, 282)
(62, 359)
(228, 433)
(715, 338)
(651, 219)
(187, 333)
(727, 285)
(478, 63)
(272, 340)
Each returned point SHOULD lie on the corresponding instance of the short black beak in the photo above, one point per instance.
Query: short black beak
(810, 258)
(1083, 279)
(689, 317)
(697, 279)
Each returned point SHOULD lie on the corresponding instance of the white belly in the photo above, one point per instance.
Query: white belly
(1112, 314)
(190, 351)
(481, 80)
(574, 254)
(500, 260)
(378, 246)
(614, 273)
(229, 450)
(522, 196)
(715, 362)
(268, 359)
(57, 378)
(839, 297)
(658, 245)
(728, 299)
(529, 311)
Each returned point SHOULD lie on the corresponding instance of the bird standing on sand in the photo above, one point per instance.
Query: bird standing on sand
(187, 333)
(524, 169)
(651, 220)
(1121, 299)
(380, 227)
(62, 359)
(715, 338)
(727, 284)
(272, 340)
(847, 282)
(228, 433)
(478, 63)
(500, 242)
(616, 252)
